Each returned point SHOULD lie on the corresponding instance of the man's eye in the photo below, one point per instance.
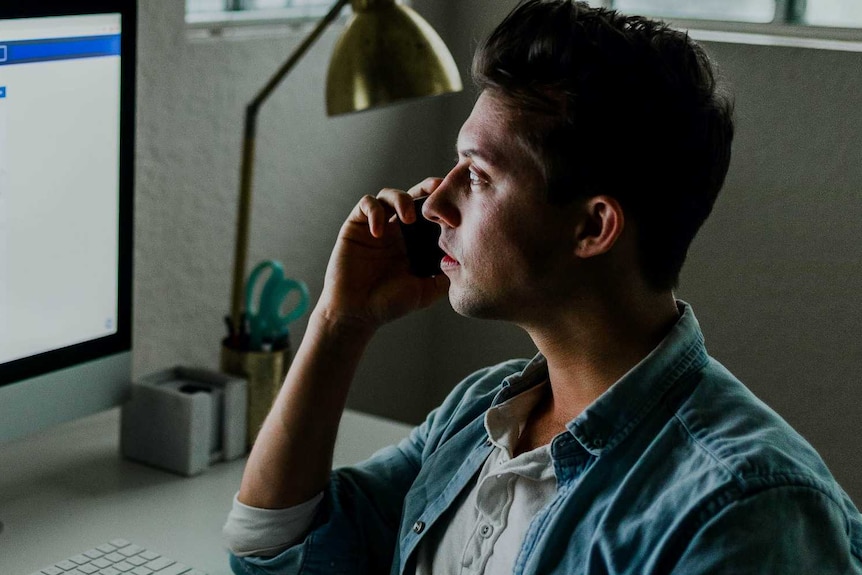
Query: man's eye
(475, 180)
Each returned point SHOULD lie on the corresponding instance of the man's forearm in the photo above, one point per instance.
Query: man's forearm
(292, 456)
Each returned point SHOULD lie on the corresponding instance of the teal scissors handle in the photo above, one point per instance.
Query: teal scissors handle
(277, 297)
(266, 322)
(258, 314)
(277, 274)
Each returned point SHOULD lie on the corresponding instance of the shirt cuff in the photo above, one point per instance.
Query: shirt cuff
(251, 531)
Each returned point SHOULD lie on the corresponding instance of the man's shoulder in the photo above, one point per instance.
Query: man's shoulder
(747, 442)
(725, 453)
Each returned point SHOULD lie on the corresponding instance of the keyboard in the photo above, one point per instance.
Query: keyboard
(118, 557)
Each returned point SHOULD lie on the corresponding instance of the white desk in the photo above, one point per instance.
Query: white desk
(66, 490)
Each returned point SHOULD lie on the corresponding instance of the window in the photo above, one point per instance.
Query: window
(238, 10)
(735, 10)
(834, 13)
(844, 13)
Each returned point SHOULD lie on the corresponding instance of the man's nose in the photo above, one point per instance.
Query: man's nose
(441, 205)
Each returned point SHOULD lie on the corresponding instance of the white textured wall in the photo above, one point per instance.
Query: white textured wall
(310, 172)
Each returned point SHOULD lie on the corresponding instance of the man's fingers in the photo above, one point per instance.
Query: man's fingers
(403, 202)
(400, 202)
(391, 204)
(373, 211)
(425, 187)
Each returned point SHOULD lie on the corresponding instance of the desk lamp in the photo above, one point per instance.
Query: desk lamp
(386, 53)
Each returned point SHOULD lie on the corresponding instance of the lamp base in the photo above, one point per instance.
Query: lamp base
(265, 372)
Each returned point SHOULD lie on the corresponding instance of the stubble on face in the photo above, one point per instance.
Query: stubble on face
(511, 242)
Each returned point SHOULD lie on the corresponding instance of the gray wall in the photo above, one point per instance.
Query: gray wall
(774, 276)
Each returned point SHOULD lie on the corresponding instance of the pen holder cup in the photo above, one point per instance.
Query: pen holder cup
(265, 372)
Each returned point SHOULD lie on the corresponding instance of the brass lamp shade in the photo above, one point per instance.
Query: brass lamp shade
(387, 53)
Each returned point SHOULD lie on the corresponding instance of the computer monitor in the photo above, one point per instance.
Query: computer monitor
(67, 88)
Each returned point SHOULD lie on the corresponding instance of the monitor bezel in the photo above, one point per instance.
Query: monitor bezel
(55, 360)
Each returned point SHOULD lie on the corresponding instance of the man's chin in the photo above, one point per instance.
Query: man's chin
(473, 306)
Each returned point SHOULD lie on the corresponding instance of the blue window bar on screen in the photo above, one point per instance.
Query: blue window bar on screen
(28, 51)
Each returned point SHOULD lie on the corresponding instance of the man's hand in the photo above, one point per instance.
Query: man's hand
(367, 280)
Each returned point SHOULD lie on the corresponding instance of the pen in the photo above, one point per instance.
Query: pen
(231, 332)
(244, 333)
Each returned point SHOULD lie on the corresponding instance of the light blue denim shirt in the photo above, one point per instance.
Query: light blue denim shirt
(677, 469)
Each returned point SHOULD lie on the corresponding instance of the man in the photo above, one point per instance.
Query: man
(591, 158)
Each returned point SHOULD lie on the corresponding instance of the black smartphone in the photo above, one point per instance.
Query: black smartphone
(421, 238)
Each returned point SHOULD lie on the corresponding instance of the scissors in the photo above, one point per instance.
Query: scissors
(266, 322)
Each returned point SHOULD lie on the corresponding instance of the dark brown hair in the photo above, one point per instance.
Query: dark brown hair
(619, 105)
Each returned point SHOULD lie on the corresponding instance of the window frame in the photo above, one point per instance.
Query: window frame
(237, 22)
(785, 30)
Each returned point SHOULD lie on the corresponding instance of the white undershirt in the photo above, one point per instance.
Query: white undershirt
(487, 529)
(251, 531)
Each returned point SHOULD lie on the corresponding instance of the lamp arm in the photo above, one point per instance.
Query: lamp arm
(247, 162)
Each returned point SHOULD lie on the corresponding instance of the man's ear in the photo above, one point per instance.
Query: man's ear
(601, 223)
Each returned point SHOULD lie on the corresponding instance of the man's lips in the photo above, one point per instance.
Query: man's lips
(448, 261)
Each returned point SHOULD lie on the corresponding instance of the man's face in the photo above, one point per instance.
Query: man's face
(509, 252)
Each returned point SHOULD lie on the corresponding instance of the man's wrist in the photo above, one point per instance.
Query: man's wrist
(340, 326)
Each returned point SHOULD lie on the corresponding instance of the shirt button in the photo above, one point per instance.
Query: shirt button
(486, 530)
(419, 527)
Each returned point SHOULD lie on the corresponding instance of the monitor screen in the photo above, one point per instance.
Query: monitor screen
(66, 149)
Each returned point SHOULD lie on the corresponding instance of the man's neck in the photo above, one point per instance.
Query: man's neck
(591, 348)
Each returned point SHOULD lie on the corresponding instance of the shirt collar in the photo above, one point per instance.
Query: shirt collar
(612, 417)
(505, 422)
